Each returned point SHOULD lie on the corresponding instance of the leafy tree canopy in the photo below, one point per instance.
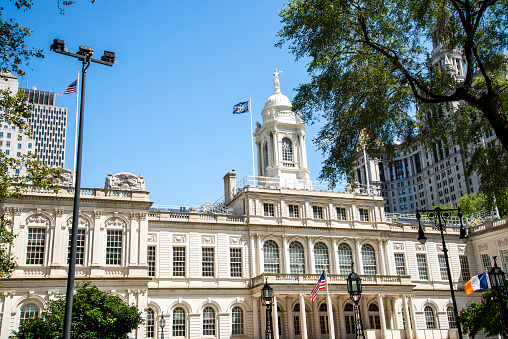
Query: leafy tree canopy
(95, 314)
(371, 70)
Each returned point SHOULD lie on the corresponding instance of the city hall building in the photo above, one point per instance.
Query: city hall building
(203, 268)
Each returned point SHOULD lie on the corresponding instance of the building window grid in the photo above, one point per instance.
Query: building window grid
(80, 247)
(208, 261)
(235, 255)
(287, 150)
(114, 247)
(374, 319)
(28, 311)
(345, 258)
(35, 246)
(317, 212)
(341, 213)
(179, 261)
(209, 321)
(271, 257)
(369, 259)
(268, 209)
(150, 323)
(293, 211)
(178, 328)
(487, 264)
(504, 257)
(400, 266)
(442, 267)
(237, 320)
(296, 258)
(364, 214)
(322, 262)
(430, 319)
(450, 315)
(150, 258)
(421, 261)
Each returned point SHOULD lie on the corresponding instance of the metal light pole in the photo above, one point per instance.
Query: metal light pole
(440, 214)
(267, 295)
(498, 283)
(85, 56)
(162, 324)
(354, 288)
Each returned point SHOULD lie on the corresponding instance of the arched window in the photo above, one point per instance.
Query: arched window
(271, 254)
(323, 319)
(345, 258)
(150, 323)
(369, 259)
(28, 311)
(237, 320)
(430, 318)
(209, 321)
(350, 318)
(322, 262)
(296, 319)
(450, 314)
(296, 258)
(265, 150)
(179, 322)
(287, 150)
(374, 319)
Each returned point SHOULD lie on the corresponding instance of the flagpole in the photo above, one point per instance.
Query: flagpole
(331, 327)
(252, 141)
(75, 135)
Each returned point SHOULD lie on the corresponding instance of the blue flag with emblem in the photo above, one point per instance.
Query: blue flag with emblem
(241, 107)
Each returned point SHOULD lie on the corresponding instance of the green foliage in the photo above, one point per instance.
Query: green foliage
(369, 68)
(473, 202)
(95, 314)
(484, 316)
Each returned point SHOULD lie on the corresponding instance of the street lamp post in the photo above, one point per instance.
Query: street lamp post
(441, 214)
(84, 54)
(354, 288)
(267, 295)
(162, 323)
(498, 283)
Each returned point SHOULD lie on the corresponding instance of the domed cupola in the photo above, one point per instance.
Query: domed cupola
(280, 139)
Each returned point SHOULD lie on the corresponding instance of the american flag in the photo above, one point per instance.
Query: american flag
(71, 88)
(321, 285)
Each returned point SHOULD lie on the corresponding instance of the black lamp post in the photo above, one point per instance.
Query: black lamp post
(85, 56)
(162, 323)
(267, 295)
(498, 283)
(440, 214)
(354, 287)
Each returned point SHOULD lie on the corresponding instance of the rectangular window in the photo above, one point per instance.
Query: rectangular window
(179, 261)
(317, 212)
(236, 261)
(465, 274)
(268, 210)
(80, 247)
(421, 260)
(364, 214)
(208, 261)
(296, 324)
(442, 267)
(293, 211)
(35, 246)
(487, 264)
(114, 248)
(341, 213)
(323, 324)
(150, 257)
(400, 267)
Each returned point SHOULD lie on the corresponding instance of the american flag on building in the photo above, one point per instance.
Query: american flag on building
(321, 285)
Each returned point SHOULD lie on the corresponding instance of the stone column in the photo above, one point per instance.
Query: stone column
(133, 246)
(335, 256)
(311, 269)
(255, 316)
(382, 259)
(359, 265)
(407, 318)
(330, 317)
(275, 149)
(275, 318)
(291, 326)
(365, 313)
(270, 151)
(254, 271)
(315, 317)
(342, 320)
(285, 256)
(260, 256)
(263, 320)
(390, 313)
(414, 326)
(260, 159)
(6, 314)
(303, 318)
(382, 317)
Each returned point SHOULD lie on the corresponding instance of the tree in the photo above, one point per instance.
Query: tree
(95, 314)
(472, 319)
(371, 70)
(473, 202)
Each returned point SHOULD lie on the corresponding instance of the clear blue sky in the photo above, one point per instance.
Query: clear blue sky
(165, 110)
